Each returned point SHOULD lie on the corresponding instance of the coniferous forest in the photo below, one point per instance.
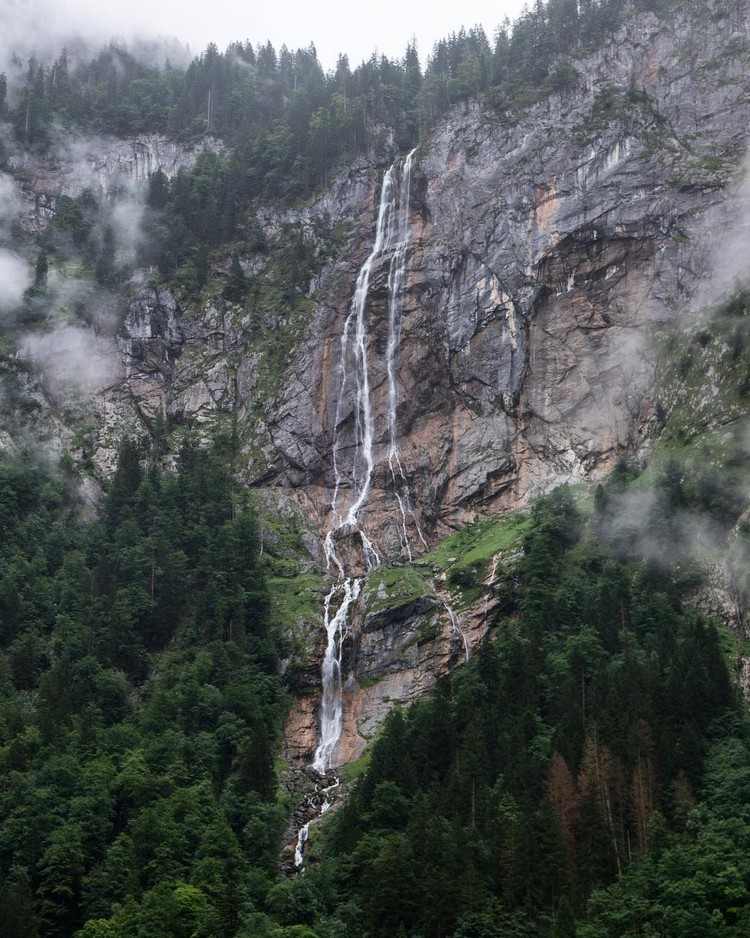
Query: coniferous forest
(586, 774)
(590, 766)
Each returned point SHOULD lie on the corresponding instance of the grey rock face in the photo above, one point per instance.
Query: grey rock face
(547, 253)
(546, 246)
(545, 250)
(77, 162)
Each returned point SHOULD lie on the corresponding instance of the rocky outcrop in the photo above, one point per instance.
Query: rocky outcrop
(77, 162)
(410, 626)
(546, 245)
(547, 253)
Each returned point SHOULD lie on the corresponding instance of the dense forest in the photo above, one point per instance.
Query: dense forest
(571, 755)
(140, 702)
(590, 766)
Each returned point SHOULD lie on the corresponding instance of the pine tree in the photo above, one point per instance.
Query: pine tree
(17, 912)
(601, 779)
(158, 190)
(236, 288)
(40, 272)
(562, 794)
(125, 482)
(105, 263)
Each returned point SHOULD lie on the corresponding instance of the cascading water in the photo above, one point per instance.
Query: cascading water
(391, 233)
(331, 707)
(489, 582)
(299, 850)
(456, 626)
(396, 277)
(355, 335)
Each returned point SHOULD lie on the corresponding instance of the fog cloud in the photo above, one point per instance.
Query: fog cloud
(15, 278)
(127, 225)
(728, 264)
(73, 359)
(43, 27)
(10, 202)
(334, 26)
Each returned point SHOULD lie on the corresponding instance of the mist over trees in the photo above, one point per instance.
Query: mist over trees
(290, 120)
(285, 122)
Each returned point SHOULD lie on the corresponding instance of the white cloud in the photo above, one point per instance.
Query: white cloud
(727, 260)
(73, 359)
(333, 25)
(15, 278)
(127, 224)
(10, 202)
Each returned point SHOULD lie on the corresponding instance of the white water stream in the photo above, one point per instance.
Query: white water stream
(299, 850)
(392, 233)
(330, 708)
(456, 626)
(401, 231)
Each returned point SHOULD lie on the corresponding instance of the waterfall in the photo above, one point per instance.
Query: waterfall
(331, 707)
(354, 340)
(303, 834)
(396, 278)
(456, 626)
(299, 850)
(392, 225)
(391, 234)
(355, 336)
(489, 582)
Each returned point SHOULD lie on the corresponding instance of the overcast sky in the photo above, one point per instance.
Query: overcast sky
(356, 28)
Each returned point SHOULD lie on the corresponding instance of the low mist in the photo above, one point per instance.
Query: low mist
(73, 359)
(15, 278)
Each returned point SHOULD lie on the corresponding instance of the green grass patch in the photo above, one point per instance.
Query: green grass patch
(466, 555)
(478, 543)
(295, 599)
(390, 587)
(353, 770)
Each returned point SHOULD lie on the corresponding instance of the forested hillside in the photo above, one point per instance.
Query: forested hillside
(575, 752)
(596, 739)
(140, 702)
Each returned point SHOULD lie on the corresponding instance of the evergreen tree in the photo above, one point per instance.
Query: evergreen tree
(41, 270)
(236, 287)
(105, 263)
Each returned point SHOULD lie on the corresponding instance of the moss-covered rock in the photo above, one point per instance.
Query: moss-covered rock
(392, 587)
